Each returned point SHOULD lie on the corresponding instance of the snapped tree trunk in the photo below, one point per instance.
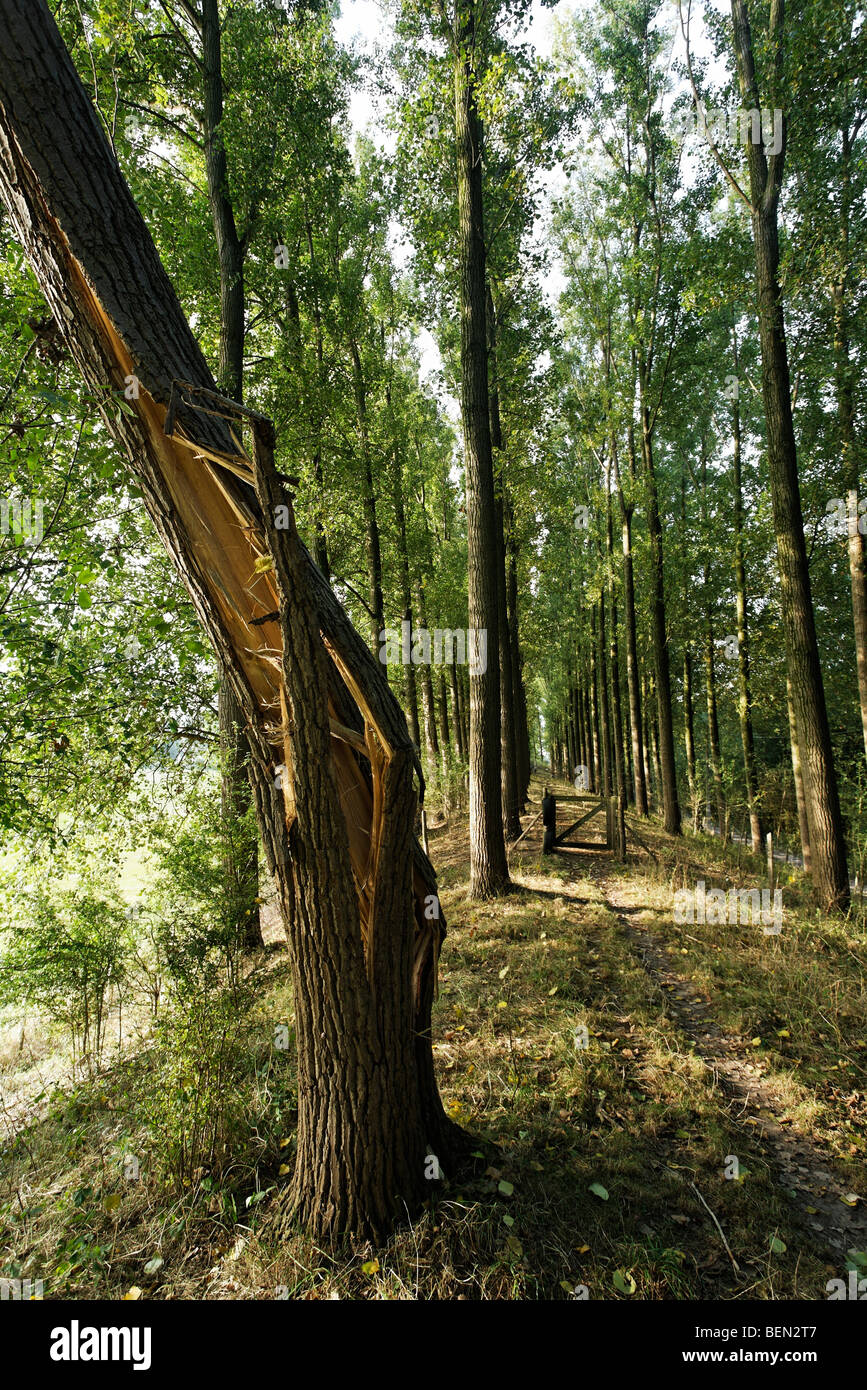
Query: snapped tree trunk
(359, 896)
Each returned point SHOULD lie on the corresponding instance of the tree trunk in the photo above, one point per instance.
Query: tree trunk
(376, 603)
(489, 870)
(689, 739)
(405, 596)
(843, 376)
(613, 653)
(230, 372)
(364, 962)
(668, 768)
(519, 697)
(633, 687)
(320, 539)
(508, 756)
(457, 722)
(713, 727)
(242, 860)
(598, 771)
(798, 778)
(827, 840)
(745, 709)
(237, 794)
(604, 715)
(427, 693)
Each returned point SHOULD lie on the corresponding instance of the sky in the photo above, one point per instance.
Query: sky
(364, 25)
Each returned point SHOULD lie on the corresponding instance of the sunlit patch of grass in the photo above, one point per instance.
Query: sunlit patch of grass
(608, 1159)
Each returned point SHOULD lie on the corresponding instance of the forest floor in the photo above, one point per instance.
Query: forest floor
(708, 1050)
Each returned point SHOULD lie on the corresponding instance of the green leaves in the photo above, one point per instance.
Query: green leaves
(598, 1191)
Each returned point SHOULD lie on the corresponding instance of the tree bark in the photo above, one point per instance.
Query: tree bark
(745, 709)
(489, 870)
(668, 767)
(798, 778)
(242, 860)
(689, 739)
(508, 757)
(633, 687)
(843, 376)
(827, 840)
(365, 960)
(368, 495)
(405, 595)
(519, 698)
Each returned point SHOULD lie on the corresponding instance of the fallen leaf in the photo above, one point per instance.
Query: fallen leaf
(505, 1187)
(370, 1267)
(132, 1294)
(598, 1190)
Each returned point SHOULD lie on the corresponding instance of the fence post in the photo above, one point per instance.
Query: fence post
(771, 877)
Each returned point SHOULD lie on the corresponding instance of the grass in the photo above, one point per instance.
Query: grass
(608, 1176)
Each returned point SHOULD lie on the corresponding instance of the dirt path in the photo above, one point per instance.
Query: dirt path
(801, 1168)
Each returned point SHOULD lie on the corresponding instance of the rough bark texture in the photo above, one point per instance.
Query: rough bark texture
(668, 769)
(489, 871)
(508, 756)
(242, 861)
(689, 739)
(798, 778)
(844, 373)
(745, 709)
(405, 596)
(313, 696)
(236, 790)
(376, 604)
(827, 840)
(519, 698)
(633, 688)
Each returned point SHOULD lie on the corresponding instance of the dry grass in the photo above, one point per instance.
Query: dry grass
(636, 1115)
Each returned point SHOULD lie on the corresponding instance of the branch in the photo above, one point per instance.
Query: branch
(684, 28)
